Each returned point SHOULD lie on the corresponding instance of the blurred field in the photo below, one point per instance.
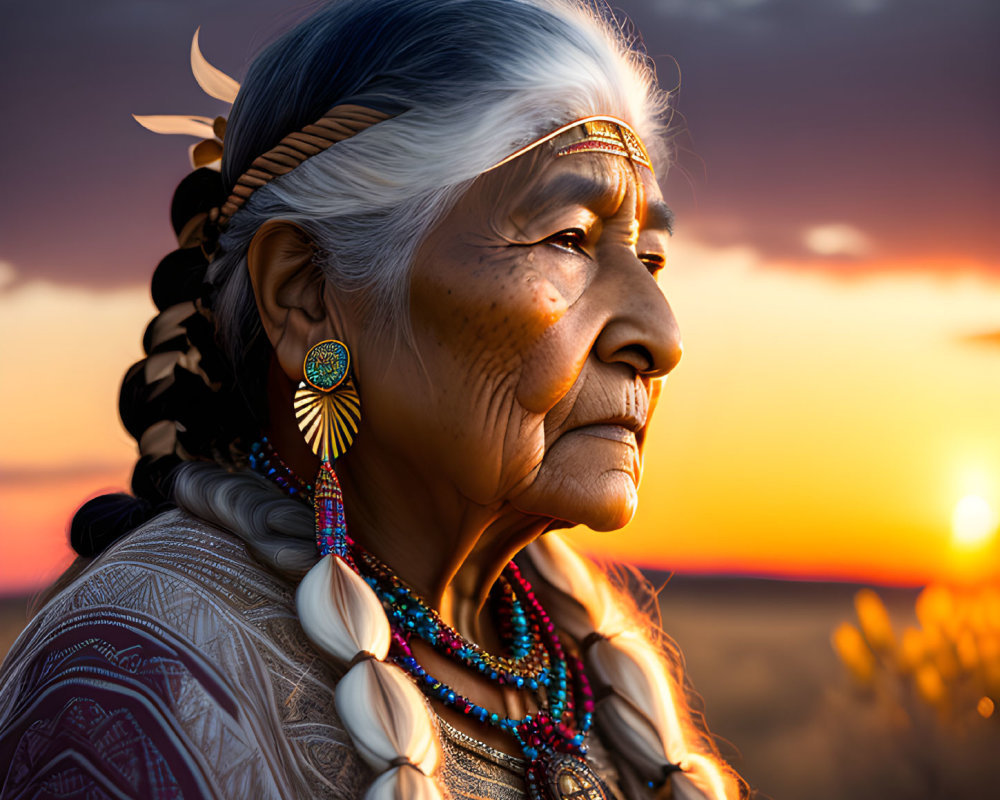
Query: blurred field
(759, 653)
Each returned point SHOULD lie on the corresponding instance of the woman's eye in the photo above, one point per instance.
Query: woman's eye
(654, 261)
(571, 239)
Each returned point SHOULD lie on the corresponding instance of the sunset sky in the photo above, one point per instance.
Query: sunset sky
(836, 272)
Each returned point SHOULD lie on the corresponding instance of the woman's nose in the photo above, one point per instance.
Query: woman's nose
(641, 330)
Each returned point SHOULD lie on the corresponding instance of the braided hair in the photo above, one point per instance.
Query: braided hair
(182, 401)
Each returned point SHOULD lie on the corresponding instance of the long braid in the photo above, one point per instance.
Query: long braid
(643, 714)
(388, 718)
(386, 715)
(181, 402)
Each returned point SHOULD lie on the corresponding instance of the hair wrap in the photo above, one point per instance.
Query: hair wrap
(339, 123)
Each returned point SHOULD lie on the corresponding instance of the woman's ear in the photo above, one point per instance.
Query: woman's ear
(289, 288)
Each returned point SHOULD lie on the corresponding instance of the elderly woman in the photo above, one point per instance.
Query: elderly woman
(415, 328)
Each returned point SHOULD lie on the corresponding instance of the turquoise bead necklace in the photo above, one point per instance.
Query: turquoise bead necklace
(553, 740)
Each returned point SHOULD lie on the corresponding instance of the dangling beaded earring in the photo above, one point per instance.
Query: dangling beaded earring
(328, 410)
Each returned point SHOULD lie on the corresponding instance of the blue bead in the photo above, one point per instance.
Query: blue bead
(530, 753)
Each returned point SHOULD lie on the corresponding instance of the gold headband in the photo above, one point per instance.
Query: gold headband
(595, 134)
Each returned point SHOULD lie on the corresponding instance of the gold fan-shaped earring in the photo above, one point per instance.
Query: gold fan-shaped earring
(328, 411)
(327, 407)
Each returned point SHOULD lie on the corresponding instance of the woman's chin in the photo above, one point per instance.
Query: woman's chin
(584, 484)
(615, 506)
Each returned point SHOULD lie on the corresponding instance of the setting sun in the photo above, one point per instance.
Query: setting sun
(973, 521)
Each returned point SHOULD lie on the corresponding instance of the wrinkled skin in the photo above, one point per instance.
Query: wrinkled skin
(520, 399)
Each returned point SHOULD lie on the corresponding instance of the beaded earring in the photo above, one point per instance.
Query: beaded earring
(328, 410)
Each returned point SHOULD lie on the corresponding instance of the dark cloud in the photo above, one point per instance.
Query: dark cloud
(873, 113)
(87, 190)
(804, 113)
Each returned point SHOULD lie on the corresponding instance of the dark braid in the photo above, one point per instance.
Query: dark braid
(183, 401)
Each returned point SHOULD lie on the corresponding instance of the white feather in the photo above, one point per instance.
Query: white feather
(213, 81)
(178, 123)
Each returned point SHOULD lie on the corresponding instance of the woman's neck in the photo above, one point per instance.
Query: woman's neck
(449, 550)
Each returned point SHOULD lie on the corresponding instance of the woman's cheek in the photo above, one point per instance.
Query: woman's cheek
(553, 364)
(496, 311)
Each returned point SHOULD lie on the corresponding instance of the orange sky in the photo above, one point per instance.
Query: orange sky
(816, 427)
(835, 261)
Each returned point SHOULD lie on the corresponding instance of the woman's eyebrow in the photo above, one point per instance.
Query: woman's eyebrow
(596, 193)
(659, 216)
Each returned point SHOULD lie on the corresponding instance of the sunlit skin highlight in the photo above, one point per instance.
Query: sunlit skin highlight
(520, 398)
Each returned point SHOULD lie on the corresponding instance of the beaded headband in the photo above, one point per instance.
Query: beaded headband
(594, 134)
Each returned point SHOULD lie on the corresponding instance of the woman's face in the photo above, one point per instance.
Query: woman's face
(539, 331)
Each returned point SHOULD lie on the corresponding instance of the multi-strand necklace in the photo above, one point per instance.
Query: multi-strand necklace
(553, 739)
